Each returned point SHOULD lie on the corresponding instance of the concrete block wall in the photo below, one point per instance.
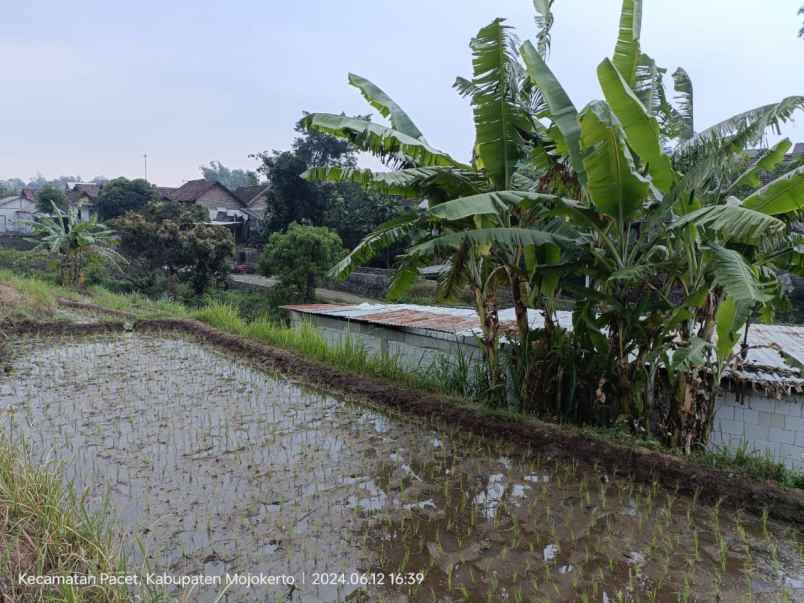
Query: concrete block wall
(764, 425)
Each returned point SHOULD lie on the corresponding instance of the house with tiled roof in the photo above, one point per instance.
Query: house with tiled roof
(255, 198)
(83, 197)
(225, 207)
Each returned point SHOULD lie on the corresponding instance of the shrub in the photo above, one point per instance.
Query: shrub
(301, 256)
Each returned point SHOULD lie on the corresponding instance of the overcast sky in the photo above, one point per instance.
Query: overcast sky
(87, 87)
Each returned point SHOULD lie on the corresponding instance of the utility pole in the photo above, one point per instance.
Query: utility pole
(145, 159)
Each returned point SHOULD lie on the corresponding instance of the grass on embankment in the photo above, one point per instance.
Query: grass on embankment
(46, 531)
(348, 353)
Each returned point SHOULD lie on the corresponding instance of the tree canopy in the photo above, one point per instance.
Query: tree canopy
(48, 196)
(230, 178)
(122, 195)
(344, 206)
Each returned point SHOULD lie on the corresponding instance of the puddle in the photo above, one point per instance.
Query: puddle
(216, 467)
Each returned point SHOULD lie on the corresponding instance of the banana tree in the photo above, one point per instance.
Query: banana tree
(724, 242)
(507, 134)
(73, 241)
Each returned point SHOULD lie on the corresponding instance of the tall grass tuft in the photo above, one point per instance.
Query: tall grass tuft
(347, 352)
(46, 530)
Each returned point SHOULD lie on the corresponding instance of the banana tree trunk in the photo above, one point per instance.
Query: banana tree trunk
(486, 307)
(693, 408)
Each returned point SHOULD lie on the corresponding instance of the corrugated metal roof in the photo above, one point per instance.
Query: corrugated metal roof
(461, 322)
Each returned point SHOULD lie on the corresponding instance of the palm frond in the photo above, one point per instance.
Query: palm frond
(410, 182)
(764, 163)
(782, 196)
(641, 129)
(734, 222)
(383, 237)
(685, 114)
(731, 272)
(627, 52)
(562, 112)
(387, 107)
(615, 184)
(495, 237)
(381, 141)
(544, 23)
(742, 130)
(499, 118)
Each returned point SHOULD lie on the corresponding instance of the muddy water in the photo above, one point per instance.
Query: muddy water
(213, 467)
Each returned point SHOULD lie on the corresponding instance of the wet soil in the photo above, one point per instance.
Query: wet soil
(215, 465)
(640, 464)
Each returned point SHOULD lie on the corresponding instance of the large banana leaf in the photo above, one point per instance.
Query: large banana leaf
(729, 319)
(731, 272)
(544, 23)
(685, 115)
(493, 237)
(627, 51)
(492, 203)
(649, 88)
(498, 116)
(405, 277)
(734, 223)
(561, 110)
(766, 162)
(379, 140)
(386, 106)
(743, 129)
(411, 182)
(386, 235)
(641, 130)
(782, 196)
(615, 184)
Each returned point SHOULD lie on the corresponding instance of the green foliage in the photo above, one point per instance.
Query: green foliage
(48, 196)
(171, 240)
(622, 205)
(300, 256)
(337, 202)
(627, 51)
(231, 179)
(385, 105)
(75, 242)
(121, 195)
(30, 263)
(48, 528)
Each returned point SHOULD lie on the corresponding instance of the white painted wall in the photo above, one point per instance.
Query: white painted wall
(15, 212)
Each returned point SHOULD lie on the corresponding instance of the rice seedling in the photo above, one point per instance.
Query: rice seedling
(215, 466)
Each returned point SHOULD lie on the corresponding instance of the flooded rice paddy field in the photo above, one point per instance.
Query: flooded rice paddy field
(212, 466)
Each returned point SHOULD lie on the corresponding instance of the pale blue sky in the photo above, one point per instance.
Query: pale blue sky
(87, 87)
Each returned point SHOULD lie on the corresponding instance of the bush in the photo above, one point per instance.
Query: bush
(165, 245)
(301, 256)
(42, 264)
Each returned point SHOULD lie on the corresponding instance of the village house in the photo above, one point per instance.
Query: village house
(83, 197)
(17, 212)
(242, 213)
